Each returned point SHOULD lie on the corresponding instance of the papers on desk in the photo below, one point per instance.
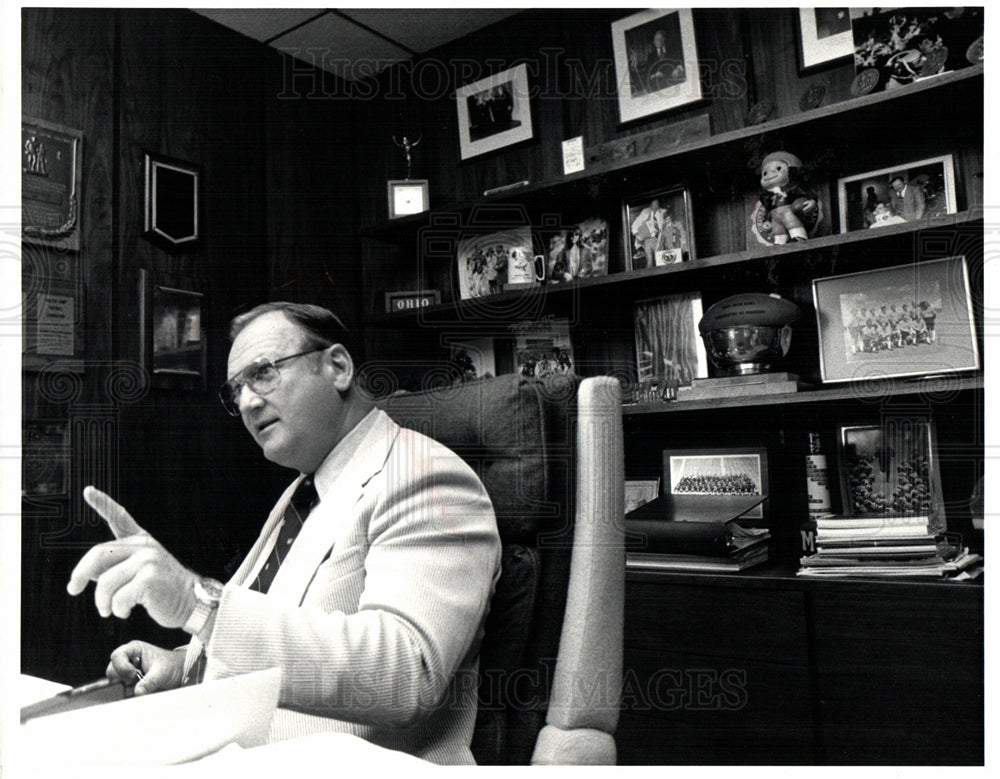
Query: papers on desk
(161, 728)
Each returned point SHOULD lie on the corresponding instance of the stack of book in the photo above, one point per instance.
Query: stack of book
(695, 533)
(886, 546)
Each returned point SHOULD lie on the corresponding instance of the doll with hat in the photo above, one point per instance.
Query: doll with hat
(786, 209)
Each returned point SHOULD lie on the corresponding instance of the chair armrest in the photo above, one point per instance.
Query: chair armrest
(586, 687)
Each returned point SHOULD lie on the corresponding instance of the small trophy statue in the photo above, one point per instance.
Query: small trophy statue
(407, 146)
(407, 196)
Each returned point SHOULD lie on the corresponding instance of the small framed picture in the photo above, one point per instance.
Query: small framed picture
(485, 261)
(172, 342)
(640, 492)
(656, 62)
(45, 459)
(172, 203)
(577, 251)
(52, 330)
(494, 112)
(543, 348)
(408, 196)
(658, 229)
(907, 320)
(825, 37)
(897, 195)
(669, 350)
(891, 468)
(735, 471)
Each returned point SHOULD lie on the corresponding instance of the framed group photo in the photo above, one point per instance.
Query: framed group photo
(658, 229)
(656, 62)
(733, 471)
(906, 320)
(494, 112)
(891, 469)
(903, 193)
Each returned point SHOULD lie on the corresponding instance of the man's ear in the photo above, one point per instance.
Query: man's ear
(340, 362)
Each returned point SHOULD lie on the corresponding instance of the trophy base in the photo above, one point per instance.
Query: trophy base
(737, 386)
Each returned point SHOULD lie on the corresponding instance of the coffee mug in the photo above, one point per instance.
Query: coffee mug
(522, 269)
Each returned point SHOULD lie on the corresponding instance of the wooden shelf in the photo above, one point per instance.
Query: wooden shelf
(490, 305)
(865, 390)
(842, 112)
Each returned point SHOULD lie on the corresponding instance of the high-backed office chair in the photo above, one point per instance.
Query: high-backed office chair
(550, 454)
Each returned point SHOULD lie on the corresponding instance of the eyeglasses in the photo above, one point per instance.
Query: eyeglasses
(261, 376)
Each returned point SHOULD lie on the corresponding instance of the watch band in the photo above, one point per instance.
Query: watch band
(207, 593)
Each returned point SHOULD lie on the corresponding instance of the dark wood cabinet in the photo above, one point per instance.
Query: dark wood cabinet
(769, 669)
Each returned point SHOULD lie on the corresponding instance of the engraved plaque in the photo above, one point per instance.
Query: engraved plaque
(50, 184)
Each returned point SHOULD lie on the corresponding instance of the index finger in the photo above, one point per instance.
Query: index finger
(119, 520)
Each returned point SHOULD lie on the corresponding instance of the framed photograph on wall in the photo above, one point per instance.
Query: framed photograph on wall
(907, 320)
(658, 229)
(576, 251)
(903, 193)
(656, 62)
(45, 458)
(825, 37)
(731, 471)
(52, 329)
(494, 112)
(891, 469)
(172, 343)
(173, 207)
(668, 347)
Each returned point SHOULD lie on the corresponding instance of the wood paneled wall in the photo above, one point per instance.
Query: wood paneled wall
(279, 222)
(745, 56)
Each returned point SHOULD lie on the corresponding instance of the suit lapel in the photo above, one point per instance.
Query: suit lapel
(334, 514)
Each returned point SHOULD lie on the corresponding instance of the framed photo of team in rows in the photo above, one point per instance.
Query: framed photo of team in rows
(904, 321)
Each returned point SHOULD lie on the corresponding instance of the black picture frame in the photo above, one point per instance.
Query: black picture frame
(172, 340)
(172, 212)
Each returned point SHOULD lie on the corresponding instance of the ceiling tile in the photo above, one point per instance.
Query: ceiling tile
(341, 47)
(261, 24)
(422, 29)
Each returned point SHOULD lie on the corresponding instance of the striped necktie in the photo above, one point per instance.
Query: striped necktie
(304, 499)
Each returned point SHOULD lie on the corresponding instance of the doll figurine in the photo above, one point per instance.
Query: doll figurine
(785, 210)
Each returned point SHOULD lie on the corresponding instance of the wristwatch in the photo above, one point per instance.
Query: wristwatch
(207, 593)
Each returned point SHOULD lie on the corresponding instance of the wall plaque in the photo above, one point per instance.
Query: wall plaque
(396, 302)
(50, 183)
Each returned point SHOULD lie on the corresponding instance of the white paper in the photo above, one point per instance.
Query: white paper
(160, 728)
(572, 150)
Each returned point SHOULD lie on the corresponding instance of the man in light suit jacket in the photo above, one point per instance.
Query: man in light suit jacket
(376, 608)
